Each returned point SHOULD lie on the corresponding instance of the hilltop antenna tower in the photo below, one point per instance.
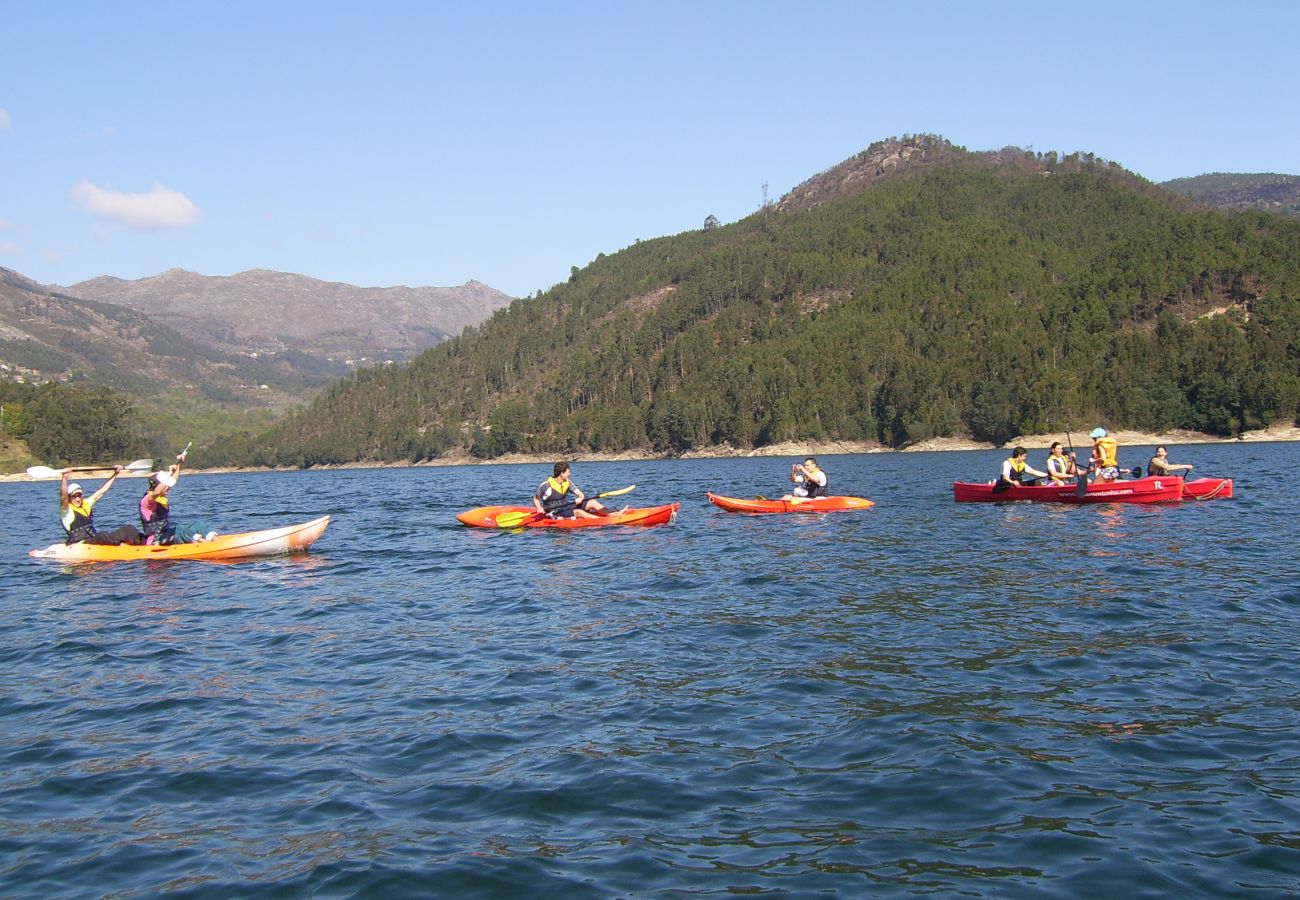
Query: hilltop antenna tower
(766, 201)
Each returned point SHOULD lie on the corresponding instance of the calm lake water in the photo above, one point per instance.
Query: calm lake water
(925, 697)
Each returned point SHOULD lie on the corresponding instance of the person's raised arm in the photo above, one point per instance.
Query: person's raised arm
(103, 489)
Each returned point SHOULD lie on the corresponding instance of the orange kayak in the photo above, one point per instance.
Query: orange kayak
(271, 542)
(486, 517)
(815, 504)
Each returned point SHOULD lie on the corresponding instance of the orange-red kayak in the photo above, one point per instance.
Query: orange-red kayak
(814, 504)
(271, 542)
(486, 517)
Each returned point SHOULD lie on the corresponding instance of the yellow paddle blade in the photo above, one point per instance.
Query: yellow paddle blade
(630, 487)
(515, 519)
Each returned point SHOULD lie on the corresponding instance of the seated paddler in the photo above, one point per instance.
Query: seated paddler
(559, 498)
(1017, 471)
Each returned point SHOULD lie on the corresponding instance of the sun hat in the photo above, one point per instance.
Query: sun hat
(163, 478)
(1097, 432)
(75, 488)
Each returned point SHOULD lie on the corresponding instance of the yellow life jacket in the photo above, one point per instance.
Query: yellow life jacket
(1105, 451)
(558, 497)
(78, 520)
(1062, 464)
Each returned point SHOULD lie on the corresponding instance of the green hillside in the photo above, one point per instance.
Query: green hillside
(916, 290)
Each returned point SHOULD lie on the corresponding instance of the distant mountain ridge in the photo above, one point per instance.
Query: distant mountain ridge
(266, 311)
(49, 335)
(1266, 191)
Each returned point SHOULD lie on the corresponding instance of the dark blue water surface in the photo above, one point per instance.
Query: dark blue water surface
(925, 697)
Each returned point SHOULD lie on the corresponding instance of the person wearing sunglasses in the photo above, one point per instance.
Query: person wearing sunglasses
(77, 515)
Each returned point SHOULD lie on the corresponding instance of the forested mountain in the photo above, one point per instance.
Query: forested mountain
(1268, 192)
(916, 290)
(273, 312)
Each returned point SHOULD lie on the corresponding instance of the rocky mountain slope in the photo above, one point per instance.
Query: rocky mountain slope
(49, 335)
(1268, 192)
(264, 311)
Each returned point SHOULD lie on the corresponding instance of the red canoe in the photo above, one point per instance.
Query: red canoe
(1207, 489)
(486, 517)
(1162, 489)
(815, 504)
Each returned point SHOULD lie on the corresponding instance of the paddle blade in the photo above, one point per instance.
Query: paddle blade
(136, 465)
(620, 491)
(1081, 486)
(1137, 471)
(515, 519)
(1001, 486)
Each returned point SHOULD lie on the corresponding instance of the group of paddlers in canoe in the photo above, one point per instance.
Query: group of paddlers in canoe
(1063, 466)
(1067, 481)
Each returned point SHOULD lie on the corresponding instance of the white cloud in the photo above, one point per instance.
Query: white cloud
(5, 124)
(160, 208)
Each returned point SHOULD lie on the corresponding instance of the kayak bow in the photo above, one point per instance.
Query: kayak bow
(1207, 489)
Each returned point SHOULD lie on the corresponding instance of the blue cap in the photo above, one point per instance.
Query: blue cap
(1097, 432)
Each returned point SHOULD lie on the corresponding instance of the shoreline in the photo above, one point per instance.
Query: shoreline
(786, 448)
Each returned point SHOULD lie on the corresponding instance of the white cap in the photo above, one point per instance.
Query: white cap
(75, 488)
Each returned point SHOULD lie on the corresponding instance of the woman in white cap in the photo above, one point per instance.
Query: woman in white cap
(155, 511)
(1105, 455)
(76, 514)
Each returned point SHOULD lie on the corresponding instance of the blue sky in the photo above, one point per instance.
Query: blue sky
(434, 143)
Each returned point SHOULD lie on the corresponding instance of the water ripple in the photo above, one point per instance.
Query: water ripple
(1008, 700)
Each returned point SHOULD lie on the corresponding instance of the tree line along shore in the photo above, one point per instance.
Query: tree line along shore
(787, 449)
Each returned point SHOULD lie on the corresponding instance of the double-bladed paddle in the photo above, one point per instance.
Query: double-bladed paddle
(138, 465)
(514, 519)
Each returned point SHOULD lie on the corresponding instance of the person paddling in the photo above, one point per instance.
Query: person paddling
(1061, 466)
(1105, 455)
(1017, 471)
(811, 481)
(1160, 465)
(155, 511)
(76, 514)
(559, 498)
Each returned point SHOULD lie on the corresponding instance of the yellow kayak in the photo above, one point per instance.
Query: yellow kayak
(271, 542)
